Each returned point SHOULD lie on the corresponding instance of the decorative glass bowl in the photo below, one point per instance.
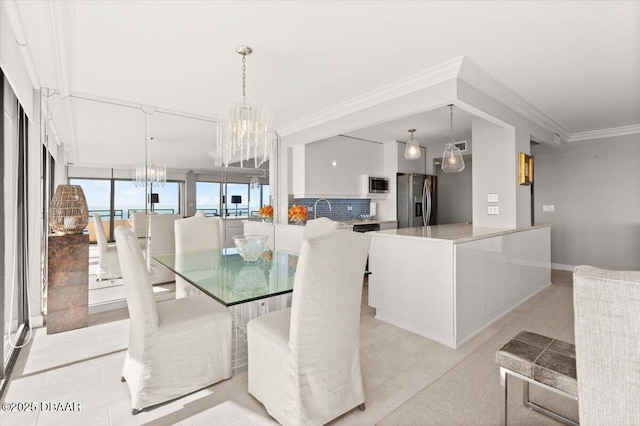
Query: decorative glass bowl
(250, 247)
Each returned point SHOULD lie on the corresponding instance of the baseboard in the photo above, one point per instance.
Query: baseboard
(563, 267)
(122, 304)
(36, 321)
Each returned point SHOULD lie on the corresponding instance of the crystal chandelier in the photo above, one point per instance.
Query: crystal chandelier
(154, 173)
(245, 128)
(412, 149)
(452, 161)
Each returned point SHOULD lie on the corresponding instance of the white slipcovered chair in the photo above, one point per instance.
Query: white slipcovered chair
(319, 226)
(195, 234)
(161, 241)
(304, 362)
(138, 222)
(108, 266)
(607, 334)
(175, 347)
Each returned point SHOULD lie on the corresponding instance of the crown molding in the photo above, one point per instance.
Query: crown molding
(460, 67)
(477, 77)
(429, 77)
(605, 133)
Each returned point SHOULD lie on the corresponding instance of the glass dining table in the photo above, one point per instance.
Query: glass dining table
(247, 289)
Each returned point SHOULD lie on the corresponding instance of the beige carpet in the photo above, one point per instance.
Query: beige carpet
(470, 392)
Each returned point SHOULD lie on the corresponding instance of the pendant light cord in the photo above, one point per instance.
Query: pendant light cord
(451, 108)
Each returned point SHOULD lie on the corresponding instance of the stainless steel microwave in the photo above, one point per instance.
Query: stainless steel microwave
(378, 185)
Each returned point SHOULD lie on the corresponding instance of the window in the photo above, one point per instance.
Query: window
(169, 198)
(208, 198)
(98, 195)
(258, 198)
(237, 200)
(249, 201)
(126, 198)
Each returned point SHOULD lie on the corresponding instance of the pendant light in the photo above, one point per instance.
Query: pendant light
(245, 128)
(254, 183)
(412, 149)
(452, 161)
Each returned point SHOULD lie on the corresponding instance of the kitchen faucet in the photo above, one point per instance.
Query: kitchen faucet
(315, 206)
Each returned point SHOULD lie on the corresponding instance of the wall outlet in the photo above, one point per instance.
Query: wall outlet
(310, 209)
(548, 208)
(492, 198)
(349, 208)
(493, 210)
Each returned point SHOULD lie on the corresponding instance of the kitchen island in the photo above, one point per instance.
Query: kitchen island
(288, 236)
(449, 282)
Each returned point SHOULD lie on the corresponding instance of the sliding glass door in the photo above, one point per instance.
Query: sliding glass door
(13, 218)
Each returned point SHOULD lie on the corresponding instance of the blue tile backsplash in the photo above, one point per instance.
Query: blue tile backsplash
(339, 207)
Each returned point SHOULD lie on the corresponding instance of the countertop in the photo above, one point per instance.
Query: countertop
(343, 223)
(454, 233)
(364, 221)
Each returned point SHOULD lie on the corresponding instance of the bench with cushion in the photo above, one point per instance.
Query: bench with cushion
(543, 361)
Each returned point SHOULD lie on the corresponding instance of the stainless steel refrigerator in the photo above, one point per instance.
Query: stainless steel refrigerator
(416, 200)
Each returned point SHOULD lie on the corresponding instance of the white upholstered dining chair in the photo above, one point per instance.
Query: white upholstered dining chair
(175, 347)
(161, 241)
(195, 234)
(138, 222)
(304, 362)
(319, 226)
(607, 334)
(108, 266)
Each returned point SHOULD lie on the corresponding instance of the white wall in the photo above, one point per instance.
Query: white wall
(484, 106)
(455, 194)
(595, 188)
(494, 158)
(435, 151)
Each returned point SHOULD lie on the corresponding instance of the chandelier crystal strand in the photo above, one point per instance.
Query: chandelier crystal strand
(245, 128)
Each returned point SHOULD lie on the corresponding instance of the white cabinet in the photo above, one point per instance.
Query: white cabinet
(450, 292)
(411, 166)
(252, 227)
(333, 167)
(288, 237)
(232, 227)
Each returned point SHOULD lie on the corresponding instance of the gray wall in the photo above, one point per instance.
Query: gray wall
(455, 196)
(595, 188)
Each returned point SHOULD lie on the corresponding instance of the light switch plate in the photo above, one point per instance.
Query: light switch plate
(492, 197)
(493, 210)
(548, 208)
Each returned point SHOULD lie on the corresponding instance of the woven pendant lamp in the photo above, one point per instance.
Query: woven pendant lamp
(68, 213)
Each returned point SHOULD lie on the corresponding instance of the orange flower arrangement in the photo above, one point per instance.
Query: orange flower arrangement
(297, 213)
(266, 211)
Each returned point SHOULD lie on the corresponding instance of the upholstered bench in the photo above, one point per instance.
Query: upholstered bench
(545, 362)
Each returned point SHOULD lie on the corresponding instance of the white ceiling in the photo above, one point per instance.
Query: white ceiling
(576, 61)
(432, 127)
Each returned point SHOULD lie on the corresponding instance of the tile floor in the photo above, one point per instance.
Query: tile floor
(84, 366)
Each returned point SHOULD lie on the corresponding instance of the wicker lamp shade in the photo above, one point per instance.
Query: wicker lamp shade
(68, 213)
